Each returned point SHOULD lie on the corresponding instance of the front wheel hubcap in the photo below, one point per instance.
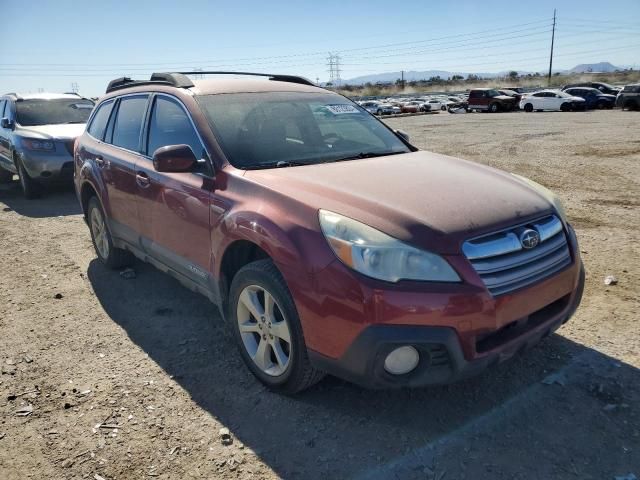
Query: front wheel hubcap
(99, 230)
(264, 330)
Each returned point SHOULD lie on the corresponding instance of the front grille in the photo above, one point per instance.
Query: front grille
(505, 265)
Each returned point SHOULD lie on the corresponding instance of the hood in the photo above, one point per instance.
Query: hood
(504, 97)
(64, 131)
(422, 198)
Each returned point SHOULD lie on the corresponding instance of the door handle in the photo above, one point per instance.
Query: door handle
(143, 179)
(100, 161)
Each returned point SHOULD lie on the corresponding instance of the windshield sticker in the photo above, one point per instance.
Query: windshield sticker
(342, 108)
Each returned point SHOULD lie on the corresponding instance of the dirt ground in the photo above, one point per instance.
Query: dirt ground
(133, 378)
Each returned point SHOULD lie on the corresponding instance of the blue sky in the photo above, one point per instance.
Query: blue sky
(49, 45)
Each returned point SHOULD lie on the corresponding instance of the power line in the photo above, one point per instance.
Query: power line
(320, 53)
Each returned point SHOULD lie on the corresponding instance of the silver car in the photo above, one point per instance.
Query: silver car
(37, 132)
(380, 108)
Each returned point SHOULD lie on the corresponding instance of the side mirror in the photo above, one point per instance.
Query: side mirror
(6, 123)
(174, 158)
(403, 135)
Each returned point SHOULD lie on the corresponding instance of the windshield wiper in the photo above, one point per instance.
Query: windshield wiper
(280, 164)
(364, 155)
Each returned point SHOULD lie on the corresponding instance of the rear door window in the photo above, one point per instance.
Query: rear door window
(128, 123)
(100, 119)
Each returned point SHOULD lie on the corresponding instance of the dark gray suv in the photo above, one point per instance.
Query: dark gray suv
(629, 97)
(37, 132)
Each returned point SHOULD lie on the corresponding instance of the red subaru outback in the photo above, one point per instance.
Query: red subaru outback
(328, 241)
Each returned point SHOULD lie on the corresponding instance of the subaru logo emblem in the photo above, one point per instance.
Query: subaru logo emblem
(529, 239)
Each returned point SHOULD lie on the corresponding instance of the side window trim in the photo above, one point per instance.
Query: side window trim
(147, 128)
(108, 132)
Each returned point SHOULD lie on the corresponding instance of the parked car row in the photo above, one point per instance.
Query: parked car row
(431, 103)
(328, 242)
(577, 96)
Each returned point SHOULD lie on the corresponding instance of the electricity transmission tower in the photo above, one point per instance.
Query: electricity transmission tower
(333, 63)
(74, 87)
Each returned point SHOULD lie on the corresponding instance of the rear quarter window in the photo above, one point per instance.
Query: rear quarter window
(99, 122)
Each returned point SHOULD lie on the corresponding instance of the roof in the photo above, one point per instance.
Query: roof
(44, 96)
(221, 82)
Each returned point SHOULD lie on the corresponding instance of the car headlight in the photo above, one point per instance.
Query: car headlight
(37, 144)
(551, 197)
(377, 255)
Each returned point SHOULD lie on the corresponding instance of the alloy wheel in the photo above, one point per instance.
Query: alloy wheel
(100, 234)
(264, 330)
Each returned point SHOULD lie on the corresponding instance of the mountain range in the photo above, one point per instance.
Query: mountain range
(426, 74)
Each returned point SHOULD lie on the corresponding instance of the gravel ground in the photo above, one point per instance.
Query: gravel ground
(114, 378)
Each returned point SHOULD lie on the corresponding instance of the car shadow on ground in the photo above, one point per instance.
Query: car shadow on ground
(56, 201)
(334, 429)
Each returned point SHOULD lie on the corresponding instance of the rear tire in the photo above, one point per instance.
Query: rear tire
(111, 256)
(30, 188)
(271, 342)
(5, 176)
(528, 108)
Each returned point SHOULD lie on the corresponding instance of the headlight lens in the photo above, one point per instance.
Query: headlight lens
(551, 197)
(36, 144)
(377, 255)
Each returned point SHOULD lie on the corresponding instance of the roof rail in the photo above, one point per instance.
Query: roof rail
(271, 76)
(180, 79)
(171, 79)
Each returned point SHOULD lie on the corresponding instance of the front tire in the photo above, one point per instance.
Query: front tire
(565, 107)
(494, 107)
(30, 188)
(267, 329)
(111, 256)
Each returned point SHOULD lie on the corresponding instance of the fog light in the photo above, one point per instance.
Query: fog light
(401, 360)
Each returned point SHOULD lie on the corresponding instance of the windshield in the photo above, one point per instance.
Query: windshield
(494, 93)
(261, 130)
(49, 112)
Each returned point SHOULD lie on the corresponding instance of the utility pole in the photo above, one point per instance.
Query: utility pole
(402, 79)
(553, 34)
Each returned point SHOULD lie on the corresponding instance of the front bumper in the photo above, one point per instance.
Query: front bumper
(48, 167)
(442, 359)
